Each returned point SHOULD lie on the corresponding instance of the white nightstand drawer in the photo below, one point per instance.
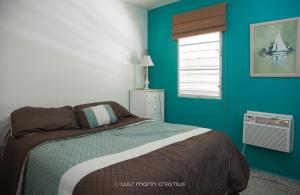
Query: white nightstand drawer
(153, 108)
(153, 97)
(156, 117)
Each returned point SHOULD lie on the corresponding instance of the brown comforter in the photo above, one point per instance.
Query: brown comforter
(205, 164)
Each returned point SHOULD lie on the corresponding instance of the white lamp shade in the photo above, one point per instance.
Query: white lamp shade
(147, 61)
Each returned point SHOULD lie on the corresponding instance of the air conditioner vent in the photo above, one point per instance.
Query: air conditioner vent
(268, 130)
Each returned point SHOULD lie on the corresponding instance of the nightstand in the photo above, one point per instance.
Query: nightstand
(148, 103)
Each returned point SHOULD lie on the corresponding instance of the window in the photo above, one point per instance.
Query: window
(199, 66)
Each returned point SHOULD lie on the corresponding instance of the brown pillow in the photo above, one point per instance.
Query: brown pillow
(119, 110)
(29, 120)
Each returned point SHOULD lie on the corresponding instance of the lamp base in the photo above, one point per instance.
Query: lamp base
(146, 79)
(146, 84)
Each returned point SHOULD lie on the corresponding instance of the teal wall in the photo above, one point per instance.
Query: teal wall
(240, 92)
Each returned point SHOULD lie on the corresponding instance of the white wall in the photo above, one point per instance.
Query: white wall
(67, 52)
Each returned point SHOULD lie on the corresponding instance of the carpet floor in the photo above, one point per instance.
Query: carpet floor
(267, 184)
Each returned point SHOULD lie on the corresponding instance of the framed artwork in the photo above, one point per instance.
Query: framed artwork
(275, 48)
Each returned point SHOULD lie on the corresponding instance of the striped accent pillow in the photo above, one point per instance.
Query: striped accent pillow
(99, 115)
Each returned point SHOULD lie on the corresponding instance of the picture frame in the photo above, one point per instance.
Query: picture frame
(275, 48)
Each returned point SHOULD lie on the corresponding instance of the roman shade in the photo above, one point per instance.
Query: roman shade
(204, 20)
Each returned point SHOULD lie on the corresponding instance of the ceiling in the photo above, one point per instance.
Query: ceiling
(150, 4)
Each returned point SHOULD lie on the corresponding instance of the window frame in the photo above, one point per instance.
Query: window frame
(220, 75)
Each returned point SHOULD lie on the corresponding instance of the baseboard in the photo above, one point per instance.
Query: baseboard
(276, 178)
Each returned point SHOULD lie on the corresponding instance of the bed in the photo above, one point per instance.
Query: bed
(132, 156)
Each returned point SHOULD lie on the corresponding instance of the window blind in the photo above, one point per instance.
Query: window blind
(205, 20)
(199, 65)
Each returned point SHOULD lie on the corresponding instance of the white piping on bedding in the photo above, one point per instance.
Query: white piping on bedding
(137, 123)
(19, 190)
(72, 176)
(10, 127)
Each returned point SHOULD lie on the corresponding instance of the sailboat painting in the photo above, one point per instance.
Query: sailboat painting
(275, 48)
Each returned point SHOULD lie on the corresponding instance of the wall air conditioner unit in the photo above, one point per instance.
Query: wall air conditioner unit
(273, 131)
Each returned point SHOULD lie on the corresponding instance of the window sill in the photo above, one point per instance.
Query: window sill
(200, 97)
